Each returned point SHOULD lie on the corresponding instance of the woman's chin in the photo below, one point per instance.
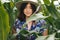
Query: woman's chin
(28, 15)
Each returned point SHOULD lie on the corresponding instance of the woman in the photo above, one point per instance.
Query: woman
(26, 9)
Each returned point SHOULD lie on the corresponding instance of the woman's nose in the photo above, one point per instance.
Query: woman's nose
(28, 9)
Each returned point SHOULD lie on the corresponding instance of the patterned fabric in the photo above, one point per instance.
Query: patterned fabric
(38, 27)
(18, 24)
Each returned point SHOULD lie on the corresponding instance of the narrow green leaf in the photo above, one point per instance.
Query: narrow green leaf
(37, 16)
(51, 37)
(4, 24)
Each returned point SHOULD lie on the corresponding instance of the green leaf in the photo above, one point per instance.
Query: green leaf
(48, 37)
(41, 37)
(11, 4)
(9, 8)
(51, 37)
(47, 2)
(37, 16)
(4, 23)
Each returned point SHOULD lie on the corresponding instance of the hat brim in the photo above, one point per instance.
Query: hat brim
(18, 4)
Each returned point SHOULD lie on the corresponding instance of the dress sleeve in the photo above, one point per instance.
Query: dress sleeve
(17, 25)
(43, 23)
(41, 26)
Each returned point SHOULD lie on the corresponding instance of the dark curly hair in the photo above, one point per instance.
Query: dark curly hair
(21, 15)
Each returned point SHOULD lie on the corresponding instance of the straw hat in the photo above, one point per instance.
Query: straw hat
(18, 4)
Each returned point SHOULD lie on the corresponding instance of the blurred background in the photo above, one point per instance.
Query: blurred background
(8, 14)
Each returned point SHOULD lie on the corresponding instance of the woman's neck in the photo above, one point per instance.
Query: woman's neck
(27, 17)
(29, 24)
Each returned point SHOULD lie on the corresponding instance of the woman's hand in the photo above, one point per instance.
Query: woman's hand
(45, 33)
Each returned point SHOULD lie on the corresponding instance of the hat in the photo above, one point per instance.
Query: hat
(18, 4)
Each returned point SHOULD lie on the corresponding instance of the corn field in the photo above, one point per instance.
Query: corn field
(8, 14)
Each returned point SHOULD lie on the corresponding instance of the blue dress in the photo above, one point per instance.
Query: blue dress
(38, 27)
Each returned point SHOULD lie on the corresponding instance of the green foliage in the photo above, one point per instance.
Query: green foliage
(8, 16)
(4, 23)
(54, 20)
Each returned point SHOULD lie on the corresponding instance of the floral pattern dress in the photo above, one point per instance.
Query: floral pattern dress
(37, 28)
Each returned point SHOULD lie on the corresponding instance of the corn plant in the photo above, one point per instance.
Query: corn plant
(4, 23)
(7, 13)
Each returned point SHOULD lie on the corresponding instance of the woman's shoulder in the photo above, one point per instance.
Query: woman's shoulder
(17, 21)
(41, 21)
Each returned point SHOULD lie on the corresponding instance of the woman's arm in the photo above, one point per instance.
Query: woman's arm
(44, 24)
(15, 26)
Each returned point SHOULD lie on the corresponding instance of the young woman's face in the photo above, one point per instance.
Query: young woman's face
(28, 10)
